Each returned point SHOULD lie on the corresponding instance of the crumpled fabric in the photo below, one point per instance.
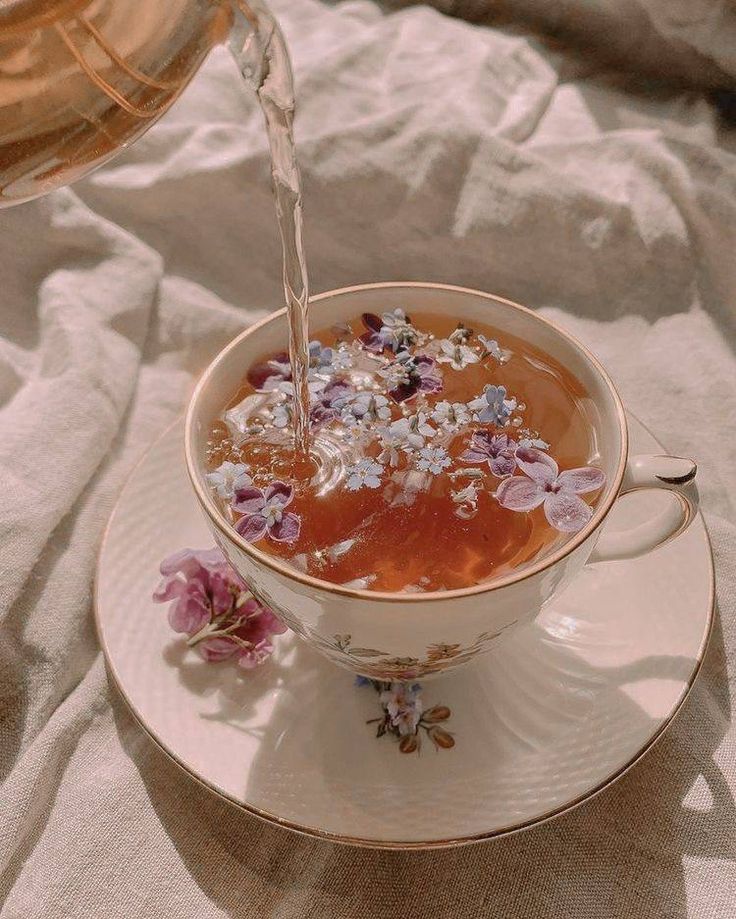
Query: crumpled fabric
(431, 149)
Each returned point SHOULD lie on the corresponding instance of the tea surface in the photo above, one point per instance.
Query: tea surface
(441, 456)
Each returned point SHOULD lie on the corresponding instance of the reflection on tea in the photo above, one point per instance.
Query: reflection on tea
(441, 456)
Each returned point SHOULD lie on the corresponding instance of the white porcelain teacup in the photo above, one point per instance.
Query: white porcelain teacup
(395, 636)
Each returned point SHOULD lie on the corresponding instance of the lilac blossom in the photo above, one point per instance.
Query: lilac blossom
(265, 375)
(493, 406)
(406, 435)
(328, 404)
(559, 492)
(392, 330)
(365, 406)
(264, 514)
(403, 704)
(457, 355)
(212, 605)
(450, 415)
(532, 439)
(467, 500)
(411, 374)
(276, 371)
(281, 415)
(498, 450)
(491, 348)
(461, 334)
(319, 356)
(433, 459)
(227, 478)
(366, 473)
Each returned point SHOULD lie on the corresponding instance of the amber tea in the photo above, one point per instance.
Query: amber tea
(441, 456)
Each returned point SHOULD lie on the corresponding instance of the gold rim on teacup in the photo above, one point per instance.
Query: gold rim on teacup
(275, 564)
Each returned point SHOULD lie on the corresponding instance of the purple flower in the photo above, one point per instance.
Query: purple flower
(495, 449)
(331, 399)
(543, 483)
(214, 608)
(250, 640)
(264, 514)
(265, 375)
(202, 584)
(392, 330)
(420, 374)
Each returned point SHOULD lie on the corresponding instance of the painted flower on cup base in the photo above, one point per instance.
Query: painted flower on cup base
(404, 717)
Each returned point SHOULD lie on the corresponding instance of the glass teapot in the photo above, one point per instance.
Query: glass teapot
(82, 79)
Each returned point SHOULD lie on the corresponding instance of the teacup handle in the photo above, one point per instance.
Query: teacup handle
(672, 473)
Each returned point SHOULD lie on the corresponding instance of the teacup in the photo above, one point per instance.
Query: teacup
(402, 636)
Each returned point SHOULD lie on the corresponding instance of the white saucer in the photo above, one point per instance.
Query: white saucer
(547, 720)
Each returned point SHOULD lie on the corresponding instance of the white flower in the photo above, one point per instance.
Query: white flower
(394, 319)
(456, 355)
(433, 459)
(450, 415)
(467, 495)
(531, 439)
(406, 434)
(491, 348)
(366, 406)
(315, 385)
(281, 415)
(397, 330)
(228, 478)
(365, 472)
(395, 374)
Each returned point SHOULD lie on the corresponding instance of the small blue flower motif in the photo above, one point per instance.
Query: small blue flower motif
(366, 473)
(493, 406)
(363, 681)
(433, 459)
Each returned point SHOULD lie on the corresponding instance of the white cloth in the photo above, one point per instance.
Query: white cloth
(431, 149)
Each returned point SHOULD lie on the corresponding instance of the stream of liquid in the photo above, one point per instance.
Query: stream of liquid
(264, 63)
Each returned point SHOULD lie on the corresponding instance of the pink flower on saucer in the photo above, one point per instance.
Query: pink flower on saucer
(264, 513)
(213, 606)
(559, 492)
(202, 586)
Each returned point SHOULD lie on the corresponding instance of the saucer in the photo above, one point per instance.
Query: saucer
(556, 713)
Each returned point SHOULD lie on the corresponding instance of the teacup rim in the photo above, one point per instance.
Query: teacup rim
(292, 574)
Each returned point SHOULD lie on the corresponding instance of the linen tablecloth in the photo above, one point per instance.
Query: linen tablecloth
(431, 149)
